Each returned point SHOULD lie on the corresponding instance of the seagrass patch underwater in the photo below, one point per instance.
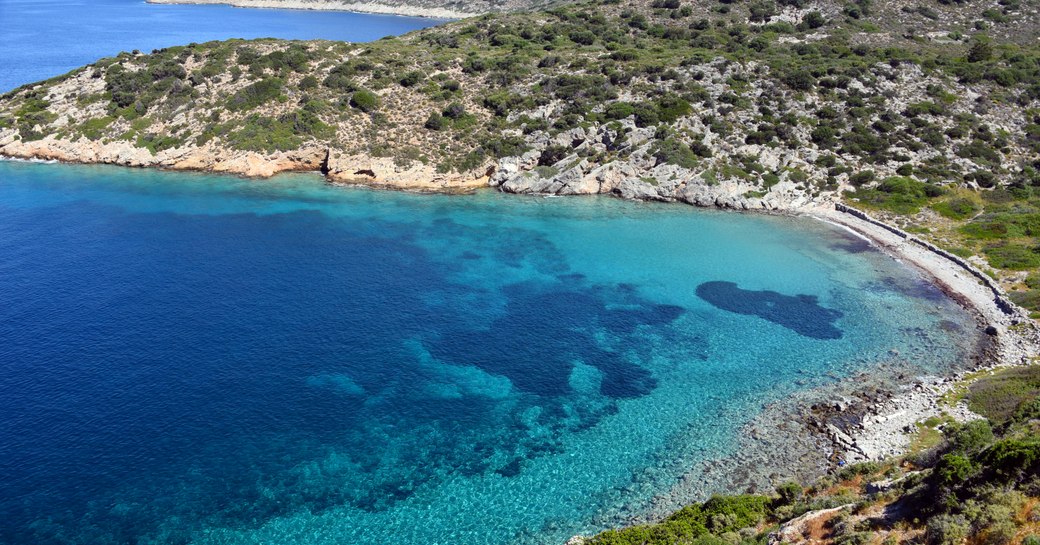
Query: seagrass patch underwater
(190, 358)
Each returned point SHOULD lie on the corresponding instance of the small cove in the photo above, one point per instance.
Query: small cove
(219, 360)
(190, 358)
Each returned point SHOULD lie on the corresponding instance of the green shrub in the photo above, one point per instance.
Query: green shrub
(553, 154)
(454, 111)
(646, 115)
(801, 80)
(364, 100)
(94, 128)
(954, 469)
(435, 122)
(862, 178)
(854, 470)
(156, 142)
(789, 493)
(693, 523)
(618, 110)
(504, 102)
(981, 50)
(671, 107)
(998, 396)
(957, 208)
(1011, 458)
(255, 94)
(1028, 299)
(674, 152)
(1015, 257)
(970, 437)
(947, 530)
(505, 146)
(898, 194)
(287, 132)
(411, 79)
(1016, 223)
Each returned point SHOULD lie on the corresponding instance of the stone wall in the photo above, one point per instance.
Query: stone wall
(1000, 297)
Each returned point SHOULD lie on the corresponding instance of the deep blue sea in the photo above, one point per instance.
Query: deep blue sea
(44, 38)
(190, 358)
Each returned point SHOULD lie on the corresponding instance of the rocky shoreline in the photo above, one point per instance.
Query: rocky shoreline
(868, 417)
(377, 172)
(875, 427)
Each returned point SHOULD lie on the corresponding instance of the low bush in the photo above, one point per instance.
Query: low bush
(364, 100)
(255, 94)
(674, 152)
(957, 208)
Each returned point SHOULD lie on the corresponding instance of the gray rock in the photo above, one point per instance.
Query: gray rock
(634, 188)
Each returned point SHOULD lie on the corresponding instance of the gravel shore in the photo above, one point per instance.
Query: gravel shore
(884, 427)
(873, 415)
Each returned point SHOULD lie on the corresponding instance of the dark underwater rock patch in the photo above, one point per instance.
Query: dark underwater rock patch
(799, 313)
(542, 334)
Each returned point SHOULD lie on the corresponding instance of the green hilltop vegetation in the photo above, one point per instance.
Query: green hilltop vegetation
(976, 483)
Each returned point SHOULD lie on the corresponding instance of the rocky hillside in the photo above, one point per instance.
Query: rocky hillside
(930, 111)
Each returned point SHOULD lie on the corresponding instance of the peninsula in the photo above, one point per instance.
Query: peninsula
(412, 8)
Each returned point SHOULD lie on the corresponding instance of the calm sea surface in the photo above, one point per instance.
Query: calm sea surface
(43, 38)
(190, 358)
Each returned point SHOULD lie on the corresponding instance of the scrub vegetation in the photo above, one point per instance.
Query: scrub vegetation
(977, 483)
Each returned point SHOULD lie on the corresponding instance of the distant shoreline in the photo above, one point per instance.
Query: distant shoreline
(333, 5)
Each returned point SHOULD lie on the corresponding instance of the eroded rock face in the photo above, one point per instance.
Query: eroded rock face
(637, 176)
(246, 163)
(384, 172)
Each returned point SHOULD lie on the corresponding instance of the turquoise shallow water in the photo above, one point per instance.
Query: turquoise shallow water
(189, 358)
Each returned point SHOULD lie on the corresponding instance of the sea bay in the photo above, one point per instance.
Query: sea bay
(202, 358)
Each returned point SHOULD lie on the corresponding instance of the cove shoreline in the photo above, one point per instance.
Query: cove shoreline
(861, 418)
(871, 416)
